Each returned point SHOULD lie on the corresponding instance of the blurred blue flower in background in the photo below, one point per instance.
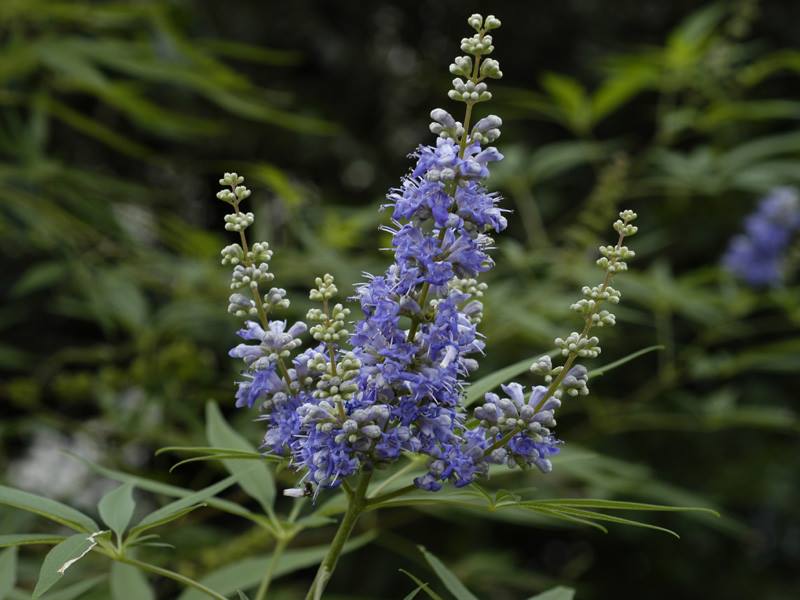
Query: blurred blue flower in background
(757, 256)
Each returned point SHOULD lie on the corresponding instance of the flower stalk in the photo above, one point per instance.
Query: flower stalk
(355, 507)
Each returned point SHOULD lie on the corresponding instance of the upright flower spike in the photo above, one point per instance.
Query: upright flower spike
(758, 256)
(573, 379)
(518, 429)
(265, 370)
(356, 401)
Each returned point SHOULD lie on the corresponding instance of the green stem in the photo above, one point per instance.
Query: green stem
(355, 507)
(171, 575)
(573, 355)
(280, 546)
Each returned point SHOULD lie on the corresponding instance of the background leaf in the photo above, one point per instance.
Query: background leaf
(450, 581)
(52, 569)
(45, 507)
(128, 582)
(557, 593)
(116, 508)
(256, 479)
(8, 571)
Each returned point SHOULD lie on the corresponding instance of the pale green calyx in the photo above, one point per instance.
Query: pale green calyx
(233, 254)
(572, 378)
(336, 383)
(542, 366)
(491, 68)
(478, 23)
(276, 298)
(579, 344)
(325, 290)
(479, 44)
(469, 91)
(231, 179)
(472, 89)
(250, 276)
(462, 65)
(238, 221)
(330, 321)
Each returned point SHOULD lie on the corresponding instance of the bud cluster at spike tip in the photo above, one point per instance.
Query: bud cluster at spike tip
(393, 382)
(757, 256)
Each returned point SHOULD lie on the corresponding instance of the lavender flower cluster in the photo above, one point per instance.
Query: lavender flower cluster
(395, 384)
(757, 256)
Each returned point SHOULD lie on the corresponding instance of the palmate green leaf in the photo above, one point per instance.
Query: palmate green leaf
(450, 581)
(615, 477)
(8, 571)
(158, 487)
(116, 508)
(25, 539)
(50, 509)
(255, 479)
(246, 574)
(593, 516)
(420, 586)
(557, 593)
(621, 505)
(59, 559)
(572, 510)
(575, 509)
(128, 582)
(179, 508)
(554, 514)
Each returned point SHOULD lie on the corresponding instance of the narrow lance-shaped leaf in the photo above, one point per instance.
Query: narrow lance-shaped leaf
(421, 586)
(76, 591)
(175, 510)
(128, 582)
(247, 573)
(557, 593)
(256, 479)
(8, 571)
(450, 581)
(50, 509)
(116, 508)
(61, 558)
(26, 539)
(170, 490)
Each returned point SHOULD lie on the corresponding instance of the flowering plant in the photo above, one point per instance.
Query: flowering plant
(353, 403)
(376, 413)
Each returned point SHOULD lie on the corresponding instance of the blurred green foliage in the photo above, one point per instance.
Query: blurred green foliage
(115, 122)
